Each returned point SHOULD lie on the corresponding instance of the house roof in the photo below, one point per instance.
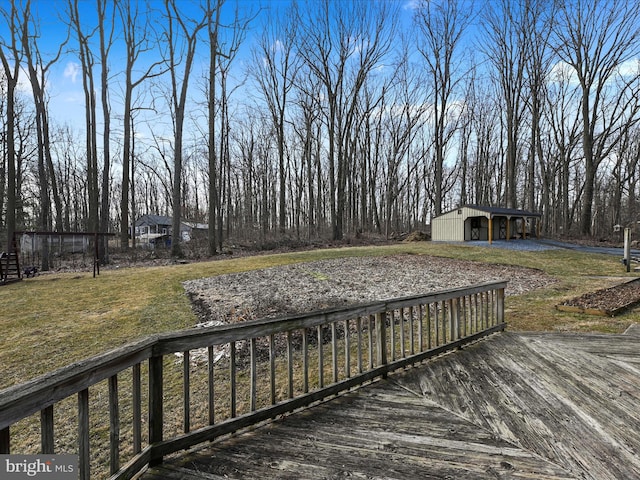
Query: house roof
(153, 220)
(150, 220)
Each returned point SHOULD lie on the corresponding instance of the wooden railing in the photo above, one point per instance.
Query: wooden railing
(169, 392)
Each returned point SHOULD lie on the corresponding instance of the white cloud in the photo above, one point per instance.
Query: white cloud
(630, 68)
(71, 71)
(24, 84)
(562, 72)
(412, 5)
(277, 46)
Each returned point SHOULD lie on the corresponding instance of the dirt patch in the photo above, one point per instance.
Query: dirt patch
(306, 287)
(606, 301)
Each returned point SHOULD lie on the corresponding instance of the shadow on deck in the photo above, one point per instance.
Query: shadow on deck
(534, 406)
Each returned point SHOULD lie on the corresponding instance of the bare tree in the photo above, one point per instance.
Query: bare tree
(596, 38)
(341, 44)
(25, 26)
(87, 61)
(561, 119)
(224, 43)
(537, 21)
(213, 28)
(506, 50)
(275, 71)
(442, 24)
(106, 34)
(134, 33)
(10, 55)
(38, 70)
(180, 35)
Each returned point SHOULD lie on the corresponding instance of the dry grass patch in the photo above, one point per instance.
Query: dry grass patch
(55, 319)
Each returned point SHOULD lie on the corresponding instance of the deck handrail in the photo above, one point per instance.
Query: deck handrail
(252, 372)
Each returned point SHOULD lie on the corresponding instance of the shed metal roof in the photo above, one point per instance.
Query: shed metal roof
(508, 212)
(505, 211)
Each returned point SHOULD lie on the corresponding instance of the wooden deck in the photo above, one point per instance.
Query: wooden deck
(517, 406)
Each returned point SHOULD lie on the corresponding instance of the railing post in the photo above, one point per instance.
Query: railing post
(84, 451)
(155, 405)
(114, 425)
(46, 427)
(5, 441)
(381, 339)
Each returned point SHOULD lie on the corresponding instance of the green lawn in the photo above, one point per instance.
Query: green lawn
(52, 320)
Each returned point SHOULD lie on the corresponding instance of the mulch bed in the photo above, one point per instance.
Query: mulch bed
(607, 301)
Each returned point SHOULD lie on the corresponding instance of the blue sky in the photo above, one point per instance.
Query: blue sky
(64, 83)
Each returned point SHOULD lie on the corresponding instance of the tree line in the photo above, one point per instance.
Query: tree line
(320, 119)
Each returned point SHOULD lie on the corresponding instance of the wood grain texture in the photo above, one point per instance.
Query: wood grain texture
(534, 406)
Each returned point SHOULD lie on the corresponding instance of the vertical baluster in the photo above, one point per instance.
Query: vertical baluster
(392, 333)
(290, 362)
(272, 367)
(429, 335)
(114, 424)
(211, 384)
(464, 316)
(493, 307)
(305, 361)
(451, 319)
(436, 317)
(186, 391)
(381, 339)
(474, 309)
(500, 306)
(412, 348)
(334, 352)
(370, 332)
(232, 377)
(487, 309)
(359, 339)
(320, 358)
(420, 328)
(347, 350)
(136, 400)
(253, 374)
(84, 452)
(445, 323)
(403, 350)
(46, 430)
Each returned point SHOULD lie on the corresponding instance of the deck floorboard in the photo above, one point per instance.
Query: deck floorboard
(517, 406)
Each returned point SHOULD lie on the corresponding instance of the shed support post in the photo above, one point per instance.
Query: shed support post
(490, 229)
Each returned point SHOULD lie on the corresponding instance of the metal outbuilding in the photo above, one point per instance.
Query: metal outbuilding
(476, 222)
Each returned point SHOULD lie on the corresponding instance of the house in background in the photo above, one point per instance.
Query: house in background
(153, 231)
(476, 222)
